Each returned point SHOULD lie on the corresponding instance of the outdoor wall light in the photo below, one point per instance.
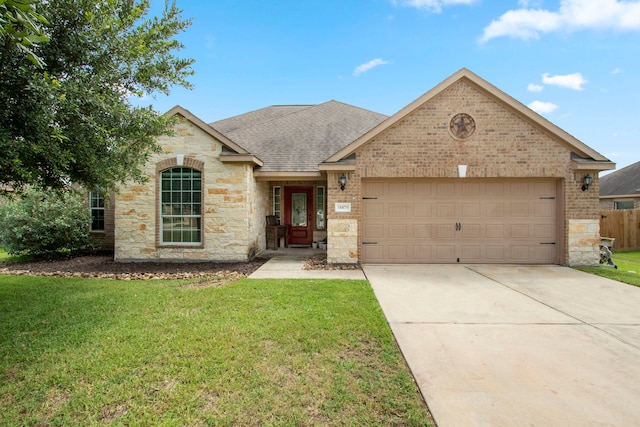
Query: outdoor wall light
(342, 181)
(586, 182)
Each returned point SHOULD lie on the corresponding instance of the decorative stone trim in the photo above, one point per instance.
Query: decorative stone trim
(584, 242)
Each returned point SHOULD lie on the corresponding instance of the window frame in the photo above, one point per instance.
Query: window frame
(321, 210)
(191, 203)
(99, 198)
(277, 203)
(617, 202)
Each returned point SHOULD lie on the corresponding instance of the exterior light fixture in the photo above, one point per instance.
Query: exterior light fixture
(342, 181)
(586, 182)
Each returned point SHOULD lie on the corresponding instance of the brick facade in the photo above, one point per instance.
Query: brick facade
(505, 145)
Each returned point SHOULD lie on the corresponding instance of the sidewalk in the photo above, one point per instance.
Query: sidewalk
(287, 263)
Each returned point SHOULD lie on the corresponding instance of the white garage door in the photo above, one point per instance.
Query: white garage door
(459, 220)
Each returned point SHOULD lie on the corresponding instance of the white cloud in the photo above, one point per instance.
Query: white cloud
(573, 15)
(534, 88)
(541, 107)
(617, 71)
(570, 81)
(368, 66)
(434, 6)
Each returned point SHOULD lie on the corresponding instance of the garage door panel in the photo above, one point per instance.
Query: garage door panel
(495, 231)
(519, 231)
(421, 209)
(422, 253)
(373, 210)
(397, 252)
(373, 231)
(421, 231)
(446, 210)
(397, 190)
(520, 210)
(444, 231)
(494, 210)
(472, 231)
(399, 231)
(471, 210)
(454, 220)
(398, 210)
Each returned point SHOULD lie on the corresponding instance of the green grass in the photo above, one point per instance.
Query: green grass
(628, 270)
(254, 352)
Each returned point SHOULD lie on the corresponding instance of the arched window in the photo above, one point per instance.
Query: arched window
(181, 206)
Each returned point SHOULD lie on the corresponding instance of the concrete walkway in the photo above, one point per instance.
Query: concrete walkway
(287, 263)
(516, 345)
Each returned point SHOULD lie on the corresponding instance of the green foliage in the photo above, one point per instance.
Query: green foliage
(20, 23)
(72, 120)
(45, 224)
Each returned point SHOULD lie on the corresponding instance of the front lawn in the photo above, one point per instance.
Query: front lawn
(253, 352)
(628, 270)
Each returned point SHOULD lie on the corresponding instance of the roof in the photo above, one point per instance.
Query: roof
(625, 181)
(589, 159)
(297, 138)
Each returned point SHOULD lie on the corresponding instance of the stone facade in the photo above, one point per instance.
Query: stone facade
(234, 205)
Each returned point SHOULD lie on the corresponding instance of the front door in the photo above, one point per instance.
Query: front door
(298, 209)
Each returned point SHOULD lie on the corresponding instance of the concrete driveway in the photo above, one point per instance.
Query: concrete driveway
(516, 345)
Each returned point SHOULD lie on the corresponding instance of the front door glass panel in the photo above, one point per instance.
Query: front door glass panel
(299, 209)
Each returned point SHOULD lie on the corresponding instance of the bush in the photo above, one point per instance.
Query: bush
(45, 224)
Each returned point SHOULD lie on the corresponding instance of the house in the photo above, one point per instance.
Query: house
(621, 189)
(464, 174)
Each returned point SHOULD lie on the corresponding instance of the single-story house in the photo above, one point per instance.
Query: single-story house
(621, 189)
(463, 174)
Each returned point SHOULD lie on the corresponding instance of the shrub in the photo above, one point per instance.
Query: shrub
(45, 224)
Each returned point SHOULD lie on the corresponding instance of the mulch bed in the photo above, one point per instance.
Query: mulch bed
(103, 267)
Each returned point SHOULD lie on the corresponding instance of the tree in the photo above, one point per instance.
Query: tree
(20, 24)
(72, 121)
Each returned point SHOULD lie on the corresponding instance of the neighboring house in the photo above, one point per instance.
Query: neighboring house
(464, 174)
(621, 189)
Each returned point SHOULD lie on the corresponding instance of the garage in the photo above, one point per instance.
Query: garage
(459, 221)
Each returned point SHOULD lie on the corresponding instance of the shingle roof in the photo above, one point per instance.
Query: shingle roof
(298, 138)
(623, 181)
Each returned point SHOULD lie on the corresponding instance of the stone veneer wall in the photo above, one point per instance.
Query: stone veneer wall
(231, 205)
(505, 145)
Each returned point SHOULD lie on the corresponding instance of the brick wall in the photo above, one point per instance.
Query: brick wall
(505, 145)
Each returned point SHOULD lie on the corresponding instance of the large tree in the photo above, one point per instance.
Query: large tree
(71, 121)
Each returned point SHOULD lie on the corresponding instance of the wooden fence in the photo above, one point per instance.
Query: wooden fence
(622, 225)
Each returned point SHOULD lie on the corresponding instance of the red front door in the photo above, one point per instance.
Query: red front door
(298, 214)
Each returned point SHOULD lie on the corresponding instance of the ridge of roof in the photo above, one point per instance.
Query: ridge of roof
(301, 138)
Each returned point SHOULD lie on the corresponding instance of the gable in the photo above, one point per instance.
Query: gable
(495, 113)
(230, 151)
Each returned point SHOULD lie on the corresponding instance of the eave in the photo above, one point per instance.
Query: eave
(241, 158)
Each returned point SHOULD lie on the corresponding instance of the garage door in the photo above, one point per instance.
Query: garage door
(459, 220)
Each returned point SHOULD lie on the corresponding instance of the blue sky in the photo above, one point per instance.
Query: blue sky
(576, 62)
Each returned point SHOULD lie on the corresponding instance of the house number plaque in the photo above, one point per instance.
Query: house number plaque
(343, 207)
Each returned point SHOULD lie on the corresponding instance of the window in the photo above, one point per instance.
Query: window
(320, 207)
(96, 205)
(627, 204)
(277, 203)
(181, 206)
